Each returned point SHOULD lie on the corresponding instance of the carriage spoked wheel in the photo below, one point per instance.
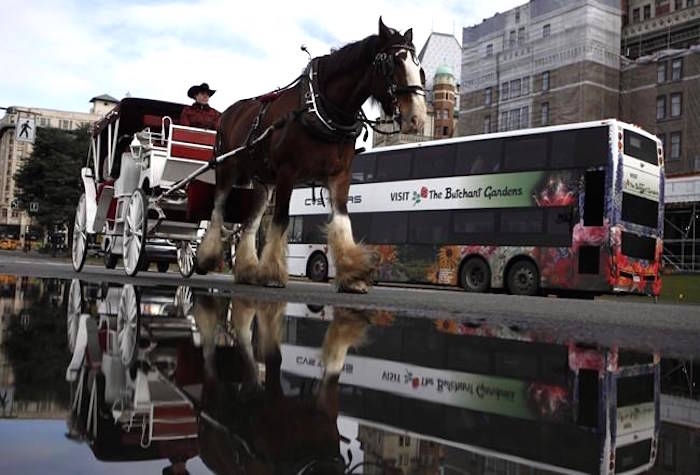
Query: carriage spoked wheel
(75, 309)
(79, 248)
(184, 300)
(185, 258)
(135, 230)
(128, 316)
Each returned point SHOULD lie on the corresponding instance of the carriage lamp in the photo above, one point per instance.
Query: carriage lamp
(136, 148)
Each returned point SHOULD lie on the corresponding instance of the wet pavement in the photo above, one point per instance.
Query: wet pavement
(115, 375)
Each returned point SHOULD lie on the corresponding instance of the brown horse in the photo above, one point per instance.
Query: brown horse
(315, 123)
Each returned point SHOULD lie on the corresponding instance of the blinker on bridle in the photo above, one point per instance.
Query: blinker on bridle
(384, 64)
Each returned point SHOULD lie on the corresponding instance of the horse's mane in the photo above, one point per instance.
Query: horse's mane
(358, 52)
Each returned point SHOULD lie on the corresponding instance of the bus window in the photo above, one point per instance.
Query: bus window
(640, 147)
(521, 221)
(479, 157)
(313, 229)
(473, 222)
(360, 226)
(429, 162)
(526, 153)
(559, 225)
(388, 228)
(428, 227)
(363, 167)
(394, 165)
(579, 148)
(638, 210)
(295, 229)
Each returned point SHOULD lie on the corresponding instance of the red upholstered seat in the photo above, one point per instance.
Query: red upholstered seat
(152, 121)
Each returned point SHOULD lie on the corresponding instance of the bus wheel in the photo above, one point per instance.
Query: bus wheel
(317, 269)
(523, 278)
(475, 275)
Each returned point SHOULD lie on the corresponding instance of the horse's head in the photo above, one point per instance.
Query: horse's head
(399, 79)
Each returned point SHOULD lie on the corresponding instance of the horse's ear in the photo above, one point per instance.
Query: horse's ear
(384, 31)
(408, 36)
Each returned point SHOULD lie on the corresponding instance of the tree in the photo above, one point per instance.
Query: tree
(51, 174)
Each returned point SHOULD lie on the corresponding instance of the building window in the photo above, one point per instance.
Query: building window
(521, 35)
(487, 124)
(675, 146)
(661, 72)
(504, 91)
(43, 122)
(690, 3)
(517, 16)
(511, 40)
(445, 131)
(526, 85)
(545, 81)
(489, 50)
(488, 96)
(647, 12)
(503, 122)
(525, 117)
(635, 15)
(514, 120)
(678, 4)
(677, 69)
(515, 88)
(676, 104)
(660, 107)
(546, 30)
(65, 124)
(545, 113)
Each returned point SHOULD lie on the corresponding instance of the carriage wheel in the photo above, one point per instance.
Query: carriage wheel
(135, 229)
(185, 258)
(79, 250)
(184, 300)
(127, 324)
(75, 309)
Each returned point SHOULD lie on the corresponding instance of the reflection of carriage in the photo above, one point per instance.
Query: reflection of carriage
(123, 360)
(143, 192)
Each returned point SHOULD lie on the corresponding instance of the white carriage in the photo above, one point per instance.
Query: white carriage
(147, 189)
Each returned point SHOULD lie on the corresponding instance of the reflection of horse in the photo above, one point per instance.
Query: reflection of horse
(248, 427)
(315, 127)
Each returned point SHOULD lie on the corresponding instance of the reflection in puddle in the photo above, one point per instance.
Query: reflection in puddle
(250, 386)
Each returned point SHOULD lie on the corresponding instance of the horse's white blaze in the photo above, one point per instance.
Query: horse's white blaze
(418, 109)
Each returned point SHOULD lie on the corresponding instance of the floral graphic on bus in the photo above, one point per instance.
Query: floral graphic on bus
(557, 190)
(420, 195)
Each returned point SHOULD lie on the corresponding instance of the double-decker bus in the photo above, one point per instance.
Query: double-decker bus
(576, 207)
(491, 390)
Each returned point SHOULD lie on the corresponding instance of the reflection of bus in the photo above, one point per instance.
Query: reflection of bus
(494, 391)
(577, 207)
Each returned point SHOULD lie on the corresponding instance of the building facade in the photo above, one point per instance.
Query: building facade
(546, 62)
(13, 152)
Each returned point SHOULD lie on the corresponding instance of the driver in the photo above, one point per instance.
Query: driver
(200, 114)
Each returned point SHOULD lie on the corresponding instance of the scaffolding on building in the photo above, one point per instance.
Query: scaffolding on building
(681, 216)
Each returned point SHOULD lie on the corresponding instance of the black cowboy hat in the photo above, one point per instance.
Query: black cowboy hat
(204, 87)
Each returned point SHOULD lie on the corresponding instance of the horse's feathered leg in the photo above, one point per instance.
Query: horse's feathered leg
(273, 261)
(242, 315)
(245, 267)
(270, 317)
(353, 262)
(211, 249)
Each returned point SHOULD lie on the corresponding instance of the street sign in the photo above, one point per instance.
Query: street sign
(24, 131)
(34, 207)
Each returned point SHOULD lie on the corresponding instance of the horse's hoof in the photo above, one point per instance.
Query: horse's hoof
(354, 288)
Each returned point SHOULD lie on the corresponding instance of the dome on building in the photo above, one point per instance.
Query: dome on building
(444, 70)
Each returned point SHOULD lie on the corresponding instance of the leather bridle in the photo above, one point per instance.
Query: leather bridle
(384, 65)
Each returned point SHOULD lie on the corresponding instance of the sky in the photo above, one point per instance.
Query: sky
(58, 54)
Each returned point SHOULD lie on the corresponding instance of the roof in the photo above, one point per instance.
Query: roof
(104, 97)
(444, 69)
(434, 33)
(131, 112)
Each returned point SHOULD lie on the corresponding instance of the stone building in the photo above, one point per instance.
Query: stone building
(543, 63)
(13, 152)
